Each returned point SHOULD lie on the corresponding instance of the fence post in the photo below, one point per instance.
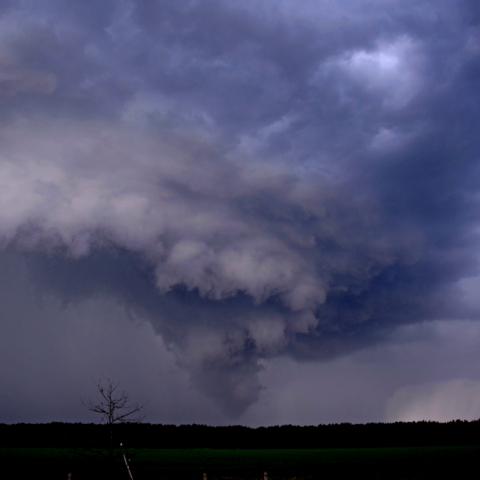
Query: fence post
(265, 476)
(69, 476)
(128, 468)
(204, 476)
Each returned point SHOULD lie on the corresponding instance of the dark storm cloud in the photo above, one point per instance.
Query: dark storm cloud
(255, 178)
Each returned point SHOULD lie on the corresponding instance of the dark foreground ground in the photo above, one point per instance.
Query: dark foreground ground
(190, 464)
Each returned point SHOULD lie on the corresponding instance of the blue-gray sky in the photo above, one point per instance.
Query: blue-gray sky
(253, 212)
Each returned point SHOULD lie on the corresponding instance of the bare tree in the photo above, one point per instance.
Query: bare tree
(114, 406)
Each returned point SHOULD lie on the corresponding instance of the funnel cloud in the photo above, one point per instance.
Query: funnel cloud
(240, 197)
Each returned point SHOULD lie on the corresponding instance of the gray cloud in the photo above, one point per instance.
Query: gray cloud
(256, 180)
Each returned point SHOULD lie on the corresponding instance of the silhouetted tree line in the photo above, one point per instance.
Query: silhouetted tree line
(146, 435)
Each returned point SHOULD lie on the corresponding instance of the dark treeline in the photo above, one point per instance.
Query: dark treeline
(145, 435)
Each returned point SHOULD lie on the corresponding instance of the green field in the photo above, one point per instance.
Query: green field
(374, 463)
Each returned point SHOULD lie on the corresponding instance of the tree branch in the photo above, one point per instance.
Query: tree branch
(113, 405)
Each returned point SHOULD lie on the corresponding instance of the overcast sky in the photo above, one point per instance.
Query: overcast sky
(248, 212)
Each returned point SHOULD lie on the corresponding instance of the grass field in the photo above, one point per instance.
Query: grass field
(374, 463)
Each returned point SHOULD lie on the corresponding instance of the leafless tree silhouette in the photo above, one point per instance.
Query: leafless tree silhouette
(114, 406)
